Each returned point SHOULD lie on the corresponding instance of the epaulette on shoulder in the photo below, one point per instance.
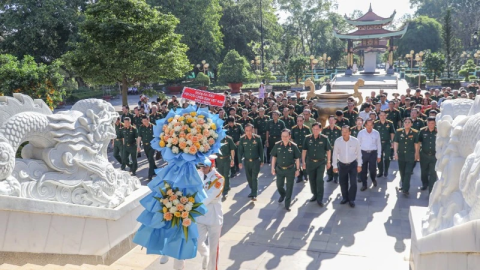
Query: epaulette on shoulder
(390, 121)
(243, 136)
(228, 136)
(294, 126)
(352, 128)
(345, 111)
(400, 129)
(293, 143)
(376, 121)
(424, 128)
(278, 142)
(414, 130)
(337, 127)
(256, 136)
(324, 136)
(309, 135)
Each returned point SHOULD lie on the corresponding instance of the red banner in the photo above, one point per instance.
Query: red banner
(203, 97)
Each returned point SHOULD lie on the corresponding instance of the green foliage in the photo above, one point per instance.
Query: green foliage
(267, 76)
(469, 66)
(32, 79)
(472, 78)
(413, 79)
(202, 79)
(127, 41)
(296, 68)
(435, 63)
(450, 41)
(423, 33)
(234, 68)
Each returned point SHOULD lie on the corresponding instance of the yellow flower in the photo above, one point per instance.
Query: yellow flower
(177, 214)
(162, 143)
(181, 118)
(201, 116)
(197, 145)
(213, 126)
(165, 210)
(170, 119)
(193, 114)
(191, 199)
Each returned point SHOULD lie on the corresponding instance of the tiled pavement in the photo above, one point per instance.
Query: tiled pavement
(262, 235)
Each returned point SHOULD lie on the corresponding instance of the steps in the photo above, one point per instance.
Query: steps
(136, 259)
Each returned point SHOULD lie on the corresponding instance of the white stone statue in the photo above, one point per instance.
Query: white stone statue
(455, 198)
(65, 159)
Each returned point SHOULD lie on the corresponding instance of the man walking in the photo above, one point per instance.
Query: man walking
(406, 151)
(225, 161)
(371, 147)
(250, 150)
(347, 161)
(299, 132)
(386, 131)
(235, 131)
(286, 165)
(427, 138)
(129, 135)
(274, 131)
(332, 132)
(316, 153)
(145, 135)
(260, 124)
(117, 142)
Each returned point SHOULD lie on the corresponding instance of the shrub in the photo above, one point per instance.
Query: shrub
(234, 68)
(202, 79)
(472, 78)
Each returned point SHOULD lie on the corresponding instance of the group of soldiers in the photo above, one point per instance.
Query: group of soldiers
(282, 130)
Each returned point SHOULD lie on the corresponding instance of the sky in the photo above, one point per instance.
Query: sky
(383, 8)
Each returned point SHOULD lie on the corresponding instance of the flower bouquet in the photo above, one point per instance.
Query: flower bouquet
(185, 138)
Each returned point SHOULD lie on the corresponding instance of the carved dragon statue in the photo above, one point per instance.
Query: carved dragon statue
(65, 159)
(356, 93)
(311, 94)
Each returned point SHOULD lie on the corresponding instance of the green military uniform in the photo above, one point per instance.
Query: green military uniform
(224, 160)
(299, 108)
(253, 115)
(407, 112)
(385, 130)
(394, 116)
(298, 137)
(155, 117)
(285, 168)
(315, 113)
(418, 123)
(332, 135)
(137, 120)
(252, 151)
(146, 134)
(316, 159)
(418, 100)
(289, 121)
(274, 134)
(354, 131)
(427, 112)
(123, 116)
(406, 154)
(129, 136)
(342, 122)
(235, 131)
(427, 157)
(351, 116)
(309, 122)
(244, 121)
(117, 143)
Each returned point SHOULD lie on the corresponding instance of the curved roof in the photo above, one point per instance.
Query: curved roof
(370, 18)
(373, 33)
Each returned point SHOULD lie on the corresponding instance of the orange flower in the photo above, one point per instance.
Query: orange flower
(175, 141)
(192, 150)
(166, 137)
(182, 134)
(197, 144)
(199, 137)
(218, 184)
(168, 216)
(187, 222)
(172, 132)
(180, 207)
(183, 200)
(206, 132)
(182, 145)
(201, 121)
(173, 198)
(189, 136)
(194, 139)
(206, 147)
(185, 214)
(211, 141)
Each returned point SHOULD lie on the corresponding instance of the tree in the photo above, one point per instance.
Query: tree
(435, 63)
(127, 41)
(41, 29)
(296, 67)
(199, 27)
(423, 34)
(234, 68)
(450, 41)
(35, 80)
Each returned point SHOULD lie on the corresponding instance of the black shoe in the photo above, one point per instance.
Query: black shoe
(359, 180)
(423, 188)
(123, 169)
(374, 183)
(399, 188)
(335, 180)
(405, 193)
(250, 195)
(344, 201)
(254, 199)
(288, 209)
(224, 197)
(313, 199)
(385, 175)
(379, 175)
(363, 188)
(320, 204)
(352, 204)
(281, 199)
(329, 179)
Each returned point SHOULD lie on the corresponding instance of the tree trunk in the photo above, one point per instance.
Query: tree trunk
(80, 82)
(124, 90)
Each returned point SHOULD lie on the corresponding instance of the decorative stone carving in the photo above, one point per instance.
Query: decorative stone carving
(65, 159)
(455, 198)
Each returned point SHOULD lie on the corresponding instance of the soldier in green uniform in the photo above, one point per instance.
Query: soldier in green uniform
(351, 115)
(427, 138)
(235, 131)
(137, 118)
(250, 150)
(394, 115)
(308, 118)
(145, 136)
(299, 132)
(274, 131)
(313, 111)
(286, 165)
(386, 130)
(417, 123)
(260, 125)
(406, 151)
(315, 155)
(117, 142)
(245, 119)
(126, 113)
(287, 119)
(341, 121)
(225, 161)
(129, 135)
(357, 128)
(254, 112)
(154, 116)
(332, 132)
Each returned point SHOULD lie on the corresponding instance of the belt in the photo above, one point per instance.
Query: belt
(131, 144)
(117, 139)
(224, 157)
(346, 164)
(429, 154)
(316, 160)
(146, 143)
(285, 168)
(369, 151)
(251, 159)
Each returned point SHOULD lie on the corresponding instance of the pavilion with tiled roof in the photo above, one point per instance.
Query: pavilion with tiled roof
(370, 38)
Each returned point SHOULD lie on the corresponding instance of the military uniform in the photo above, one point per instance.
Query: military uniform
(245, 121)
(354, 131)
(417, 99)
(316, 159)
(137, 120)
(332, 135)
(224, 159)
(274, 134)
(285, 168)
(252, 151)
(117, 143)
(427, 157)
(309, 122)
(155, 117)
(123, 116)
(236, 131)
(298, 137)
(406, 154)
(146, 133)
(314, 113)
(418, 123)
(343, 122)
(385, 130)
(129, 136)
(260, 124)
(253, 115)
(394, 116)
(289, 121)
(351, 116)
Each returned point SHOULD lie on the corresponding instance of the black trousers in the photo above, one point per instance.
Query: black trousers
(369, 161)
(235, 168)
(348, 175)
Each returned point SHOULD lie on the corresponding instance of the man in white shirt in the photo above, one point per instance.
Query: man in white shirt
(383, 102)
(365, 114)
(371, 146)
(347, 161)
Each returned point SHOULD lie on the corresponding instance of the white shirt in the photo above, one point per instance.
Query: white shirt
(347, 151)
(364, 115)
(214, 215)
(370, 141)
